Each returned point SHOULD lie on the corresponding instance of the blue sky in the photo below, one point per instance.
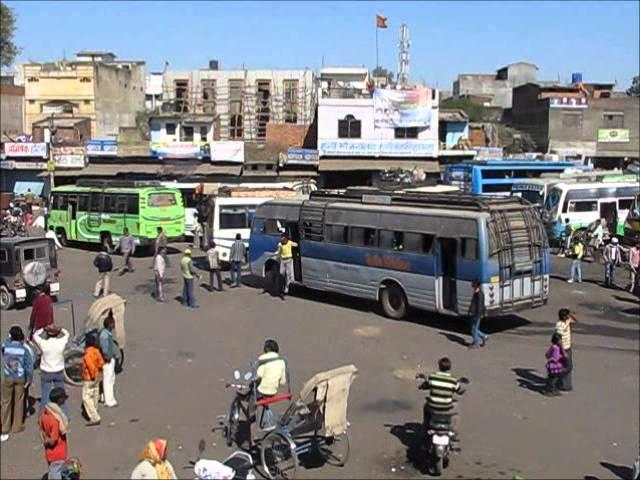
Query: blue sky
(599, 39)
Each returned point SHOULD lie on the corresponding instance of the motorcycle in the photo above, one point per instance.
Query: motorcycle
(238, 405)
(239, 465)
(439, 433)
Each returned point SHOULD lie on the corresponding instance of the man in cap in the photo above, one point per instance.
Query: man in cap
(54, 425)
(612, 257)
(186, 267)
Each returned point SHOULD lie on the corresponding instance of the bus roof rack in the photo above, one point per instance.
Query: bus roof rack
(448, 200)
(119, 183)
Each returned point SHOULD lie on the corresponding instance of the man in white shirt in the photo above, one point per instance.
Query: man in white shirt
(159, 267)
(52, 341)
(52, 235)
(612, 258)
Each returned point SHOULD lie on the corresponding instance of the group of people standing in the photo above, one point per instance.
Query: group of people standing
(18, 362)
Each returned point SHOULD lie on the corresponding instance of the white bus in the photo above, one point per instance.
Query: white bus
(190, 211)
(583, 203)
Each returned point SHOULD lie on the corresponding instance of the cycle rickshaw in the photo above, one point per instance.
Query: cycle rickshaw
(314, 423)
(74, 351)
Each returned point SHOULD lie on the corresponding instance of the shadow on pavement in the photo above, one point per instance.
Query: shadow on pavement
(620, 471)
(411, 435)
(527, 378)
(455, 338)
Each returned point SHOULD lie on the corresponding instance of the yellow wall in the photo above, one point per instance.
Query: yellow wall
(59, 84)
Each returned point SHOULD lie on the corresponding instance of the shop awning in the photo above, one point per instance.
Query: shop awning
(21, 187)
(346, 164)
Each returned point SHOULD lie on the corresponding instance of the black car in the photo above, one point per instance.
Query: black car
(27, 263)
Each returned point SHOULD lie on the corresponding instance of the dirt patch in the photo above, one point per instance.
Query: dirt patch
(408, 373)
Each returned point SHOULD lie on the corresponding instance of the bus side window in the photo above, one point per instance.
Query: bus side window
(625, 203)
(83, 203)
(469, 248)
(583, 206)
(61, 202)
(271, 227)
(337, 233)
(110, 205)
(4, 258)
(418, 242)
(132, 204)
(95, 201)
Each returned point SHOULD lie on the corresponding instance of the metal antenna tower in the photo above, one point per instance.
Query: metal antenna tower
(405, 43)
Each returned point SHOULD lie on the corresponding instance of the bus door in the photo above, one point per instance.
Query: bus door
(121, 213)
(72, 214)
(447, 257)
(294, 235)
(608, 210)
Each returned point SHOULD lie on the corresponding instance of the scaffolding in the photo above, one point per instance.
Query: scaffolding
(242, 107)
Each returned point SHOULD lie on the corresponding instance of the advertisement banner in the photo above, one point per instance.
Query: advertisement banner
(377, 148)
(180, 149)
(613, 135)
(227, 151)
(15, 165)
(25, 150)
(568, 102)
(102, 148)
(69, 161)
(402, 108)
(302, 156)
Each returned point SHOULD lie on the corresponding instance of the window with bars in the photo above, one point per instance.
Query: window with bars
(411, 132)
(182, 95)
(349, 127)
(290, 88)
(208, 95)
(236, 120)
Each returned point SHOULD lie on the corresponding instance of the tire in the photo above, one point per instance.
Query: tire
(73, 366)
(334, 450)
(233, 423)
(62, 237)
(438, 466)
(7, 298)
(278, 455)
(393, 301)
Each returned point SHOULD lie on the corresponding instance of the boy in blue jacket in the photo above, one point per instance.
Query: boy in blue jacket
(17, 365)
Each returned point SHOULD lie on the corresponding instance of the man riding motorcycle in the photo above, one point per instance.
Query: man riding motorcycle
(440, 402)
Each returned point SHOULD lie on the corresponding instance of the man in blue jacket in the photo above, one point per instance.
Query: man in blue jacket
(17, 365)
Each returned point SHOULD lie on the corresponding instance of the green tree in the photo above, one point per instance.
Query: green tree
(382, 72)
(634, 89)
(8, 49)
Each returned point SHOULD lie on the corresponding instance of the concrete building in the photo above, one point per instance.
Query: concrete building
(153, 91)
(11, 111)
(497, 88)
(453, 128)
(107, 91)
(242, 101)
(579, 120)
(352, 149)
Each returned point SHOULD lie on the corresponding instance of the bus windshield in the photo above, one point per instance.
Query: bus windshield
(532, 196)
(161, 200)
(234, 217)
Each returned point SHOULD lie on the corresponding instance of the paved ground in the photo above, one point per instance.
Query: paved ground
(177, 360)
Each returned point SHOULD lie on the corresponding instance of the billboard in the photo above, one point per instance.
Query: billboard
(613, 135)
(302, 156)
(227, 151)
(402, 108)
(69, 157)
(377, 148)
(180, 149)
(568, 102)
(102, 148)
(25, 150)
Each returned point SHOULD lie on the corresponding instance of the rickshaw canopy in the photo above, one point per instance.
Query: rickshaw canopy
(331, 388)
(99, 311)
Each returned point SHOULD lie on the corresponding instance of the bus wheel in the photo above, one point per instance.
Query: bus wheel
(105, 241)
(62, 237)
(393, 301)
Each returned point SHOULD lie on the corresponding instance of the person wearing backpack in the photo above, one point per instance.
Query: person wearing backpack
(577, 252)
(104, 265)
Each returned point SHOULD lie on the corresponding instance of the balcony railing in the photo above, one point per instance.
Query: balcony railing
(346, 93)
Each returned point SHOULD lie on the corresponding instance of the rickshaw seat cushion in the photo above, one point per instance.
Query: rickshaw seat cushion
(275, 399)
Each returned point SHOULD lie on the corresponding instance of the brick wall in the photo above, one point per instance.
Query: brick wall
(477, 137)
(285, 135)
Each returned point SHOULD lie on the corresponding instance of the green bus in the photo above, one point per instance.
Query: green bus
(97, 212)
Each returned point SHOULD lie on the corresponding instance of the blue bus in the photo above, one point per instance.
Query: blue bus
(409, 249)
(495, 177)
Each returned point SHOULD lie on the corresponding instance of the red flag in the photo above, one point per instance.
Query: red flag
(381, 21)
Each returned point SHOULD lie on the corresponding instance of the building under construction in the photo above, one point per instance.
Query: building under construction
(241, 102)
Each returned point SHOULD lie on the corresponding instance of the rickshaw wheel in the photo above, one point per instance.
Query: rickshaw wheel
(334, 450)
(278, 455)
(73, 367)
